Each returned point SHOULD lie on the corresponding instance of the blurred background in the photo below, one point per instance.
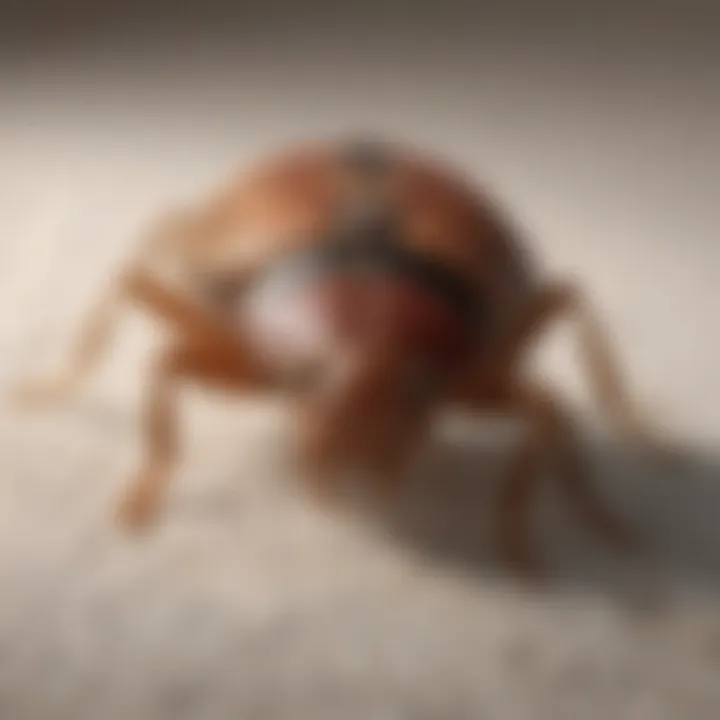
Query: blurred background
(596, 124)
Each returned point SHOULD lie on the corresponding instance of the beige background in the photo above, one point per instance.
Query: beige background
(599, 129)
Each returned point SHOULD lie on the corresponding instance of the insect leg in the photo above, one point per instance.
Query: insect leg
(142, 501)
(101, 325)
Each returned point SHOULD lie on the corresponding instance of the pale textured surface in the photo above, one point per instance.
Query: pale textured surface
(249, 603)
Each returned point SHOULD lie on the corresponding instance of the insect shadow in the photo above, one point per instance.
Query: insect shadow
(446, 511)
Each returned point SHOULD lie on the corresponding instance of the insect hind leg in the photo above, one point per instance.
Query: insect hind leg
(166, 238)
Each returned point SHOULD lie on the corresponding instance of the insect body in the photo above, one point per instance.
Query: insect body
(374, 287)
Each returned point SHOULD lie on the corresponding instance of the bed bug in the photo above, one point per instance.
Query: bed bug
(374, 286)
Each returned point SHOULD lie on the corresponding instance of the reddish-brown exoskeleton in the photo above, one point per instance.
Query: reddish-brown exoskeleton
(375, 287)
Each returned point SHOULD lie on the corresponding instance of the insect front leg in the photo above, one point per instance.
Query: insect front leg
(160, 429)
(207, 352)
